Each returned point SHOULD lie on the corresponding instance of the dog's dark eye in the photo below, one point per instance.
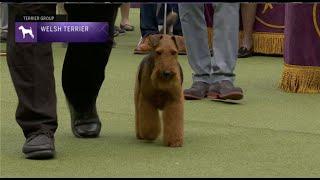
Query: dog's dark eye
(159, 52)
(173, 52)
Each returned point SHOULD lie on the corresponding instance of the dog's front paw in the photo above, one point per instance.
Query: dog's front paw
(174, 144)
(139, 137)
(148, 137)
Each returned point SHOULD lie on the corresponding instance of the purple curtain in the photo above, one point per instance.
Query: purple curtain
(302, 34)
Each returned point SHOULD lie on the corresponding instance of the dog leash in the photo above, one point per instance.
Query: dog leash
(165, 19)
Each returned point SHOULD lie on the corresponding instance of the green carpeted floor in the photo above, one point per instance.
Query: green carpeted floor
(269, 133)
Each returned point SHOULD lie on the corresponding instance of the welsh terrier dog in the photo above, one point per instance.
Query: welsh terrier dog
(158, 91)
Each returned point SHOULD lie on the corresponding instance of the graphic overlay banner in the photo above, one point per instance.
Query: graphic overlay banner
(26, 32)
(32, 32)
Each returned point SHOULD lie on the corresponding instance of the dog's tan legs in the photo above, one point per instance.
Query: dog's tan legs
(173, 125)
(137, 119)
(136, 96)
(149, 121)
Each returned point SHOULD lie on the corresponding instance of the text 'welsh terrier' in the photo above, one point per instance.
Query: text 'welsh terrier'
(158, 90)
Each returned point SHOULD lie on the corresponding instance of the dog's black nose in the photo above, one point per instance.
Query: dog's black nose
(167, 73)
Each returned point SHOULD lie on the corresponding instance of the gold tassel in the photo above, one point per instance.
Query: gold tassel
(263, 42)
(266, 42)
(210, 37)
(300, 79)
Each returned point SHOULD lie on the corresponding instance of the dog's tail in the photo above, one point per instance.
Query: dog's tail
(171, 20)
(30, 28)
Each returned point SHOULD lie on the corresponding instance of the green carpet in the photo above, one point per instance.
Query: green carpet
(269, 133)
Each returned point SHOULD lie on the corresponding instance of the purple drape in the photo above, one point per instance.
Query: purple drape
(302, 34)
(269, 17)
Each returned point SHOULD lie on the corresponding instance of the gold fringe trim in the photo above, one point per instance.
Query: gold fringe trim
(210, 37)
(300, 79)
(264, 43)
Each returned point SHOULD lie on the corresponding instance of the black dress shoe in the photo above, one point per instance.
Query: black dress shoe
(39, 146)
(85, 124)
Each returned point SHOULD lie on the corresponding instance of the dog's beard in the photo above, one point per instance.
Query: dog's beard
(159, 81)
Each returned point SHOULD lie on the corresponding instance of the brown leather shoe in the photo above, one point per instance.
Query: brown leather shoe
(181, 45)
(143, 46)
(224, 90)
(197, 91)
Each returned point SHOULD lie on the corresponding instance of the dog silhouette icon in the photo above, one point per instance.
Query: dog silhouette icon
(26, 31)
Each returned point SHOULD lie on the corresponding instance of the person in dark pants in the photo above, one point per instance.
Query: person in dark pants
(177, 30)
(32, 73)
(3, 25)
(149, 21)
(3, 21)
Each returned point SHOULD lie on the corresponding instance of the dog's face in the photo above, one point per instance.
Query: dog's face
(165, 55)
(20, 27)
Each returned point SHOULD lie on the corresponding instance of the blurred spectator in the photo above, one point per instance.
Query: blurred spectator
(213, 76)
(248, 15)
(149, 25)
(3, 21)
(125, 23)
(3, 25)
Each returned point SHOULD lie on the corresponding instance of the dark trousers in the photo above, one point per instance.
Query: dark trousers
(171, 7)
(32, 71)
(149, 20)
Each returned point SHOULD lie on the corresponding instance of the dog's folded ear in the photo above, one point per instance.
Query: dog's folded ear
(175, 40)
(154, 39)
(179, 40)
